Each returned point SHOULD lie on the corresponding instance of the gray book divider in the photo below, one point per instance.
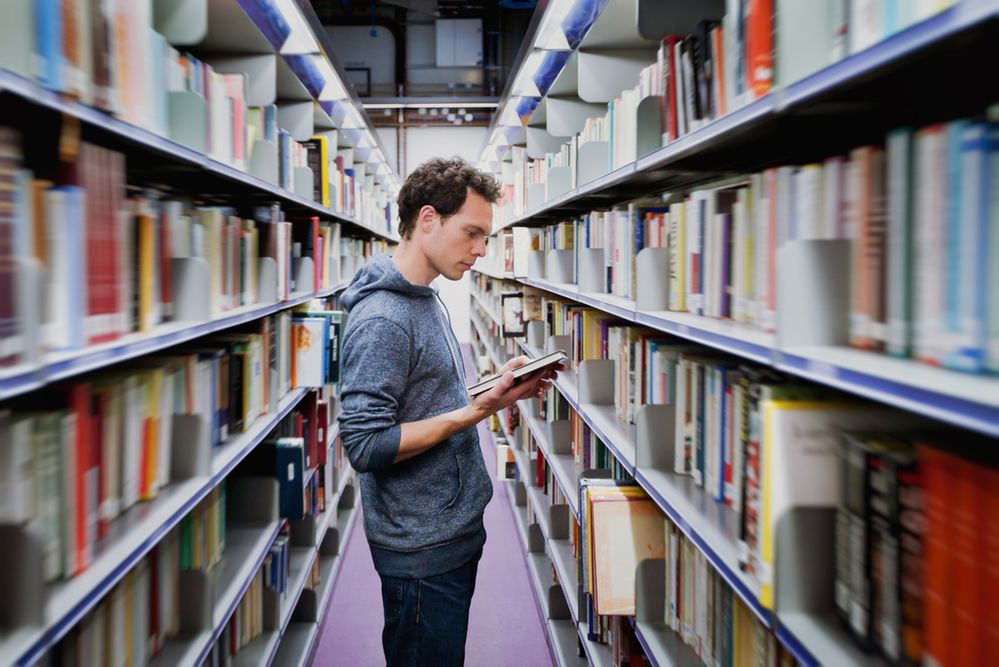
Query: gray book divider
(535, 196)
(536, 265)
(188, 277)
(650, 590)
(558, 520)
(23, 601)
(536, 335)
(17, 37)
(520, 494)
(30, 297)
(652, 279)
(190, 448)
(260, 71)
(561, 267)
(648, 125)
(654, 439)
(303, 271)
(814, 307)
(187, 120)
(596, 382)
(558, 608)
(264, 161)
(535, 538)
(592, 278)
(307, 608)
(804, 565)
(296, 118)
(566, 113)
(330, 546)
(560, 438)
(613, 50)
(347, 498)
(266, 281)
(181, 22)
(303, 183)
(559, 182)
(592, 161)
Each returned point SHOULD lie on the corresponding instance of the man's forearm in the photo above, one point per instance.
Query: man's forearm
(417, 437)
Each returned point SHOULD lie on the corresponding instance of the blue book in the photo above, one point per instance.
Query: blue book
(268, 18)
(305, 68)
(48, 42)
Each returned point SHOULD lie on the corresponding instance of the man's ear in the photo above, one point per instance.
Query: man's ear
(426, 218)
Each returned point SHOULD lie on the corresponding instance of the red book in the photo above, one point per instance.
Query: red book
(759, 46)
(316, 254)
(671, 82)
(989, 478)
(937, 553)
(87, 475)
(967, 623)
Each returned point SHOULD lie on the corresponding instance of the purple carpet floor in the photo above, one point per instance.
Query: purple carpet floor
(505, 629)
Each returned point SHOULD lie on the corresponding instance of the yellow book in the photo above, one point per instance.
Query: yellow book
(324, 169)
(153, 380)
(211, 223)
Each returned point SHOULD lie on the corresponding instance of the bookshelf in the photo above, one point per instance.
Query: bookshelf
(821, 103)
(179, 150)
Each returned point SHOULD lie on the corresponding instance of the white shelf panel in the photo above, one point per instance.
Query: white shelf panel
(609, 303)
(968, 400)
(30, 91)
(130, 537)
(663, 646)
(565, 568)
(821, 641)
(62, 365)
(733, 337)
(565, 640)
(245, 550)
(565, 469)
(562, 289)
(484, 269)
(712, 527)
(497, 320)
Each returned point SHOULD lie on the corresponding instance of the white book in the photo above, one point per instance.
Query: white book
(810, 202)
(929, 242)
(165, 448)
(866, 23)
(55, 331)
(133, 413)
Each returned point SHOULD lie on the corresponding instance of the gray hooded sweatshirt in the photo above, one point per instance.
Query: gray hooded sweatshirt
(402, 363)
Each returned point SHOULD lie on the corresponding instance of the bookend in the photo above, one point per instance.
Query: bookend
(560, 267)
(536, 265)
(535, 196)
(297, 119)
(535, 539)
(654, 441)
(559, 182)
(264, 161)
(304, 532)
(347, 498)
(190, 448)
(261, 76)
(592, 278)
(814, 307)
(648, 125)
(652, 279)
(307, 609)
(650, 590)
(520, 494)
(558, 608)
(196, 600)
(188, 276)
(560, 437)
(302, 183)
(558, 522)
(536, 335)
(804, 564)
(23, 601)
(596, 382)
(187, 114)
(539, 142)
(592, 161)
(251, 500)
(266, 281)
(304, 272)
(330, 546)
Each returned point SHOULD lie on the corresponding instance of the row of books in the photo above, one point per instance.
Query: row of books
(143, 611)
(727, 62)
(915, 547)
(109, 261)
(915, 213)
(106, 53)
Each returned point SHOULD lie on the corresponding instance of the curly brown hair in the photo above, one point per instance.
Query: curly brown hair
(444, 184)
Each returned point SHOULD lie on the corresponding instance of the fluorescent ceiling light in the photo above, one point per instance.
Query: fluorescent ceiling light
(509, 115)
(423, 107)
(334, 88)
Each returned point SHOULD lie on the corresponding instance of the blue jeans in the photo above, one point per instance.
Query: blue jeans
(426, 620)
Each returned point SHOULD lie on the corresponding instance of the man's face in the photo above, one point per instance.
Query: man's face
(453, 245)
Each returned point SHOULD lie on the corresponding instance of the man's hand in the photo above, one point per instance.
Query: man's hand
(506, 393)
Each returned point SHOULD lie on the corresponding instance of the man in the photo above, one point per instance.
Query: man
(406, 421)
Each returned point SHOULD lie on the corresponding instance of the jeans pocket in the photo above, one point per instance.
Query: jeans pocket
(457, 483)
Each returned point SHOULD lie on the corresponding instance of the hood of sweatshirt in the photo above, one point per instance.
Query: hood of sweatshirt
(378, 274)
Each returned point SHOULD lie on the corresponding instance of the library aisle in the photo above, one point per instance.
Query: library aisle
(503, 597)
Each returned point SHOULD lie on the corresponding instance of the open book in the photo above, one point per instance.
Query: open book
(532, 366)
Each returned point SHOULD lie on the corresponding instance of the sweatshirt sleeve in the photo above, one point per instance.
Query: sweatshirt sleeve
(375, 370)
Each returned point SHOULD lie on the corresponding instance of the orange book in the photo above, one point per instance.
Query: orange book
(718, 76)
(759, 46)
(937, 550)
(967, 636)
(989, 478)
